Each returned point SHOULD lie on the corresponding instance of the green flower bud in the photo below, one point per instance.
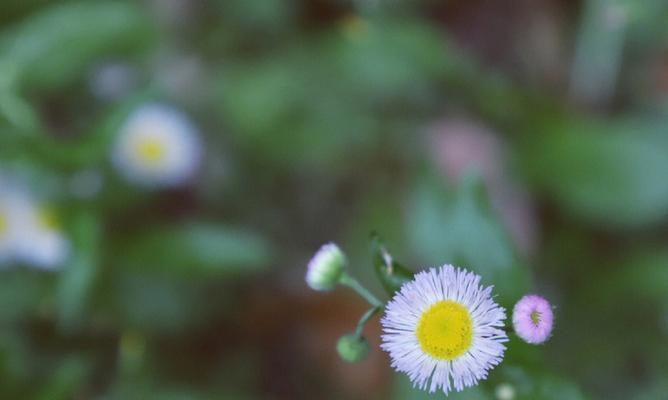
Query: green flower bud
(325, 268)
(352, 348)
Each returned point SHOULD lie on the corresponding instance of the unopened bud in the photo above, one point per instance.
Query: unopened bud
(325, 268)
(352, 348)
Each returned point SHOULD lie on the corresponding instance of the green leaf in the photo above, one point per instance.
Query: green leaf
(165, 305)
(387, 60)
(391, 274)
(67, 380)
(317, 100)
(19, 113)
(603, 173)
(20, 294)
(54, 46)
(531, 384)
(403, 390)
(457, 227)
(77, 279)
(196, 249)
(642, 275)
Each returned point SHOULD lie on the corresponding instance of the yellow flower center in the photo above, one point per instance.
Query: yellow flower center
(445, 330)
(535, 317)
(47, 219)
(4, 223)
(151, 151)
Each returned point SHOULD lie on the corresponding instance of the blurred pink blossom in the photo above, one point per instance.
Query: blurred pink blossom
(461, 145)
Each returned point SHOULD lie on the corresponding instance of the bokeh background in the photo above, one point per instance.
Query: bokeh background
(524, 139)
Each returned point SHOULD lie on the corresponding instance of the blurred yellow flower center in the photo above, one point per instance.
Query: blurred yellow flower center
(4, 224)
(535, 317)
(151, 151)
(445, 330)
(47, 218)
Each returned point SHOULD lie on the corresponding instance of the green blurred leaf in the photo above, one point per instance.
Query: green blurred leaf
(164, 305)
(654, 390)
(457, 227)
(403, 390)
(19, 113)
(387, 60)
(66, 381)
(257, 16)
(14, 359)
(196, 249)
(78, 277)
(54, 46)
(531, 384)
(320, 102)
(391, 274)
(21, 293)
(598, 55)
(607, 173)
(642, 275)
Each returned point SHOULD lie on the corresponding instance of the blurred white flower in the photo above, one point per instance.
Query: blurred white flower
(42, 243)
(29, 232)
(157, 147)
(505, 391)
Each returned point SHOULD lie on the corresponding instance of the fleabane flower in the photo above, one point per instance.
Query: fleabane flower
(533, 319)
(29, 232)
(157, 147)
(325, 268)
(42, 242)
(444, 330)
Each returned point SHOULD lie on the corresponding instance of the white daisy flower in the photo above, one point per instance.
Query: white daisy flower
(42, 243)
(444, 330)
(157, 147)
(29, 232)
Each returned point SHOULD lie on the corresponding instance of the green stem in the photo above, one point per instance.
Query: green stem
(349, 281)
(365, 318)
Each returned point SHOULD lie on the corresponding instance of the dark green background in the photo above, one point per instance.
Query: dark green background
(322, 121)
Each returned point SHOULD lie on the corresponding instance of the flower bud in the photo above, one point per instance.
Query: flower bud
(533, 319)
(505, 391)
(352, 348)
(325, 268)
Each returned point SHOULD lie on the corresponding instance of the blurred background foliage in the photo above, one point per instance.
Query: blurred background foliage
(526, 140)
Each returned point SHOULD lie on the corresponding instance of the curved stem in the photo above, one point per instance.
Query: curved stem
(365, 318)
(349, 281)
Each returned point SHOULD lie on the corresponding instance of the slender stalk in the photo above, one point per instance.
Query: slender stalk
(349, 281)
(365, 318)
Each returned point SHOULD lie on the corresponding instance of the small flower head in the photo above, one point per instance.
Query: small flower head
(29, 232)
(157, 147)
(505, 391)
(352, 348)
(444, 330)
(533, 319)
(325, 268)
(42, 242)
